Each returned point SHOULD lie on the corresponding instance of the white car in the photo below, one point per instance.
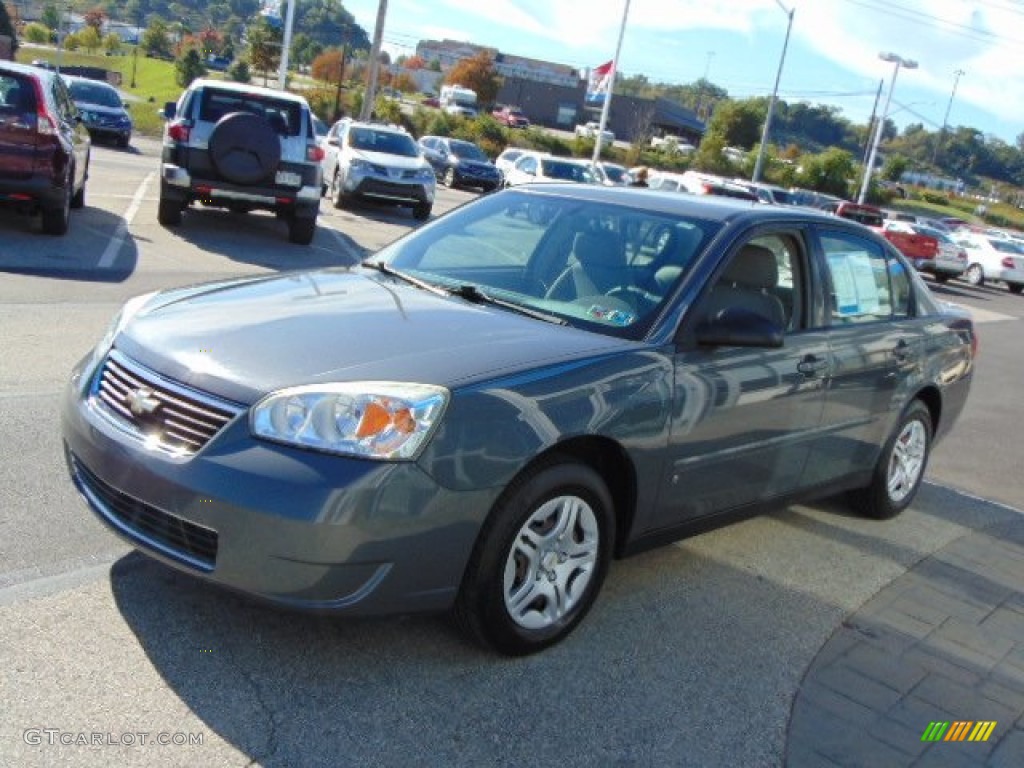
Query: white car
(507, 159)
(590, 131)
(535, 167)
(380, 163)
(990, 258)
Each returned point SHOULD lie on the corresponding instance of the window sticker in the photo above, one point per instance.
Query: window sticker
(853, 279)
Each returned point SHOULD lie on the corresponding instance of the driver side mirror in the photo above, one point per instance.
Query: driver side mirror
(738, 327)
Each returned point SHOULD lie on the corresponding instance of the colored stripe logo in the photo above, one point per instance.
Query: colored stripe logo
(959, 730)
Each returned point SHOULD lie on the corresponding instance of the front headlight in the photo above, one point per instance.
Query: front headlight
(367, 419)
(359, 165)
(426, 173)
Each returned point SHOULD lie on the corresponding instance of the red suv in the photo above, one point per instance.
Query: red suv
(44, 148)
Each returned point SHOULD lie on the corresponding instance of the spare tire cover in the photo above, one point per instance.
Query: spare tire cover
(244, 148)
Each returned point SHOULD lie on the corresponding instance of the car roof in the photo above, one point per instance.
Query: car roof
(385, 127)
(77, 79)
(27, 69)
(245, 88)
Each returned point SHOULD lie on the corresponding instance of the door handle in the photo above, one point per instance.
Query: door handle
(812, 365)
(903, 352)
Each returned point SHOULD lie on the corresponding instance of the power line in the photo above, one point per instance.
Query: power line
(952, 27)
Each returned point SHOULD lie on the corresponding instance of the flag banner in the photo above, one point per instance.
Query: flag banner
(600, 82)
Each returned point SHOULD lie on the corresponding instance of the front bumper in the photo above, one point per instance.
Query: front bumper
(384, 187)
(295, 527)
(474, 178)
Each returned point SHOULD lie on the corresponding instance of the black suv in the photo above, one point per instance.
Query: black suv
(241, 147)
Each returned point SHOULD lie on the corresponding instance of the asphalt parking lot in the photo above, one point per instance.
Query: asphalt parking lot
(706, 652)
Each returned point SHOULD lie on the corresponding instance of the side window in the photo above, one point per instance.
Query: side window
(860, 290)
(764, 276)
(899, 282)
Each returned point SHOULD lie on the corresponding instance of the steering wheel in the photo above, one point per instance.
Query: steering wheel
(640, 300)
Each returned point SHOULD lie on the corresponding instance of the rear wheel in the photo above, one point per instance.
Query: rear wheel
(975, 275)
(1015, 287)
(900, 468)
(301, 229)
(540, 559)
(168, 212)
(56, 219)
(78, 199)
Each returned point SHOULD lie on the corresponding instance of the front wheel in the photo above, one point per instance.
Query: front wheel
(540, 560)
(449, 177)
(421, 212)
(975, 275)
(900, 468)
(942, 278)
(337, 196)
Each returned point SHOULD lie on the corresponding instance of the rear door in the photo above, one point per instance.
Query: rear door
(18, 134)
(876, 350)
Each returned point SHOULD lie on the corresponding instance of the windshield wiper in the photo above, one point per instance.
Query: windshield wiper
(467, 291)
(472, 293)
(386, 269)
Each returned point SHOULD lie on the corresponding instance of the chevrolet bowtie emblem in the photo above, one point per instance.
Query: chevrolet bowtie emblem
(141, 401)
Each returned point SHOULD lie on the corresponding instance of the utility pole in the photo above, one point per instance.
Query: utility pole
(286, 45)
(945, 119)
(871, 125)
(759, 165)
(371, 84)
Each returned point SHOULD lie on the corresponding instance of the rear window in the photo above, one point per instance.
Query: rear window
(17, 94)
(285, 117)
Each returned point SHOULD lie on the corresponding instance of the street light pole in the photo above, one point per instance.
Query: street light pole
(286, 45)
(945, 119)
(897, 62)
(759, 165)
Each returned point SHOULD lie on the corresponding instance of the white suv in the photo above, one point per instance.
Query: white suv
(380, 163)
(241, 147)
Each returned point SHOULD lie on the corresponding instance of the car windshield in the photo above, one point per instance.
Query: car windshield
(94, 93)
(467, 150)
(564, 171)
(388, 142)
(602, 267)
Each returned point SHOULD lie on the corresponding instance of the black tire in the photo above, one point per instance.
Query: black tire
(301, 229)
(449, 177)
(975, 274)
(913, 435)
(421, 212)
(941, 277)
(56, 220)
(556, 491)
(244, 148)
(1015, 287)
(168, 212)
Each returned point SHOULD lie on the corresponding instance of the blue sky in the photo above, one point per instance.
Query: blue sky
(832, 57)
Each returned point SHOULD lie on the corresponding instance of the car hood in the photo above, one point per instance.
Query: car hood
(100, 109)
(391, 161)
(243, 339)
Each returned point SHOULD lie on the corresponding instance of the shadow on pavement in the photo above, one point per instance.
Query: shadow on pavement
(684, 644)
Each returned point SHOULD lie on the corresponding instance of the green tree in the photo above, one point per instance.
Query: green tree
(894, 167)
(89, 38)
(72, 42)
(112, 43)
(7, 28)
(739, 122)
(156, 40)
(50, 17)
(829, 172)
(264, 47)
(37, 33)
(188, 67)
(239, 72)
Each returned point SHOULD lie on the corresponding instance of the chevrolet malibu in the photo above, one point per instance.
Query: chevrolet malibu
(484, 414)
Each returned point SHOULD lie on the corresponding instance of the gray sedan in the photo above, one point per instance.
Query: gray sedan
(484, 414)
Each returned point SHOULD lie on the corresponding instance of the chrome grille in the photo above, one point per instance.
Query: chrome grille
(179, 419)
